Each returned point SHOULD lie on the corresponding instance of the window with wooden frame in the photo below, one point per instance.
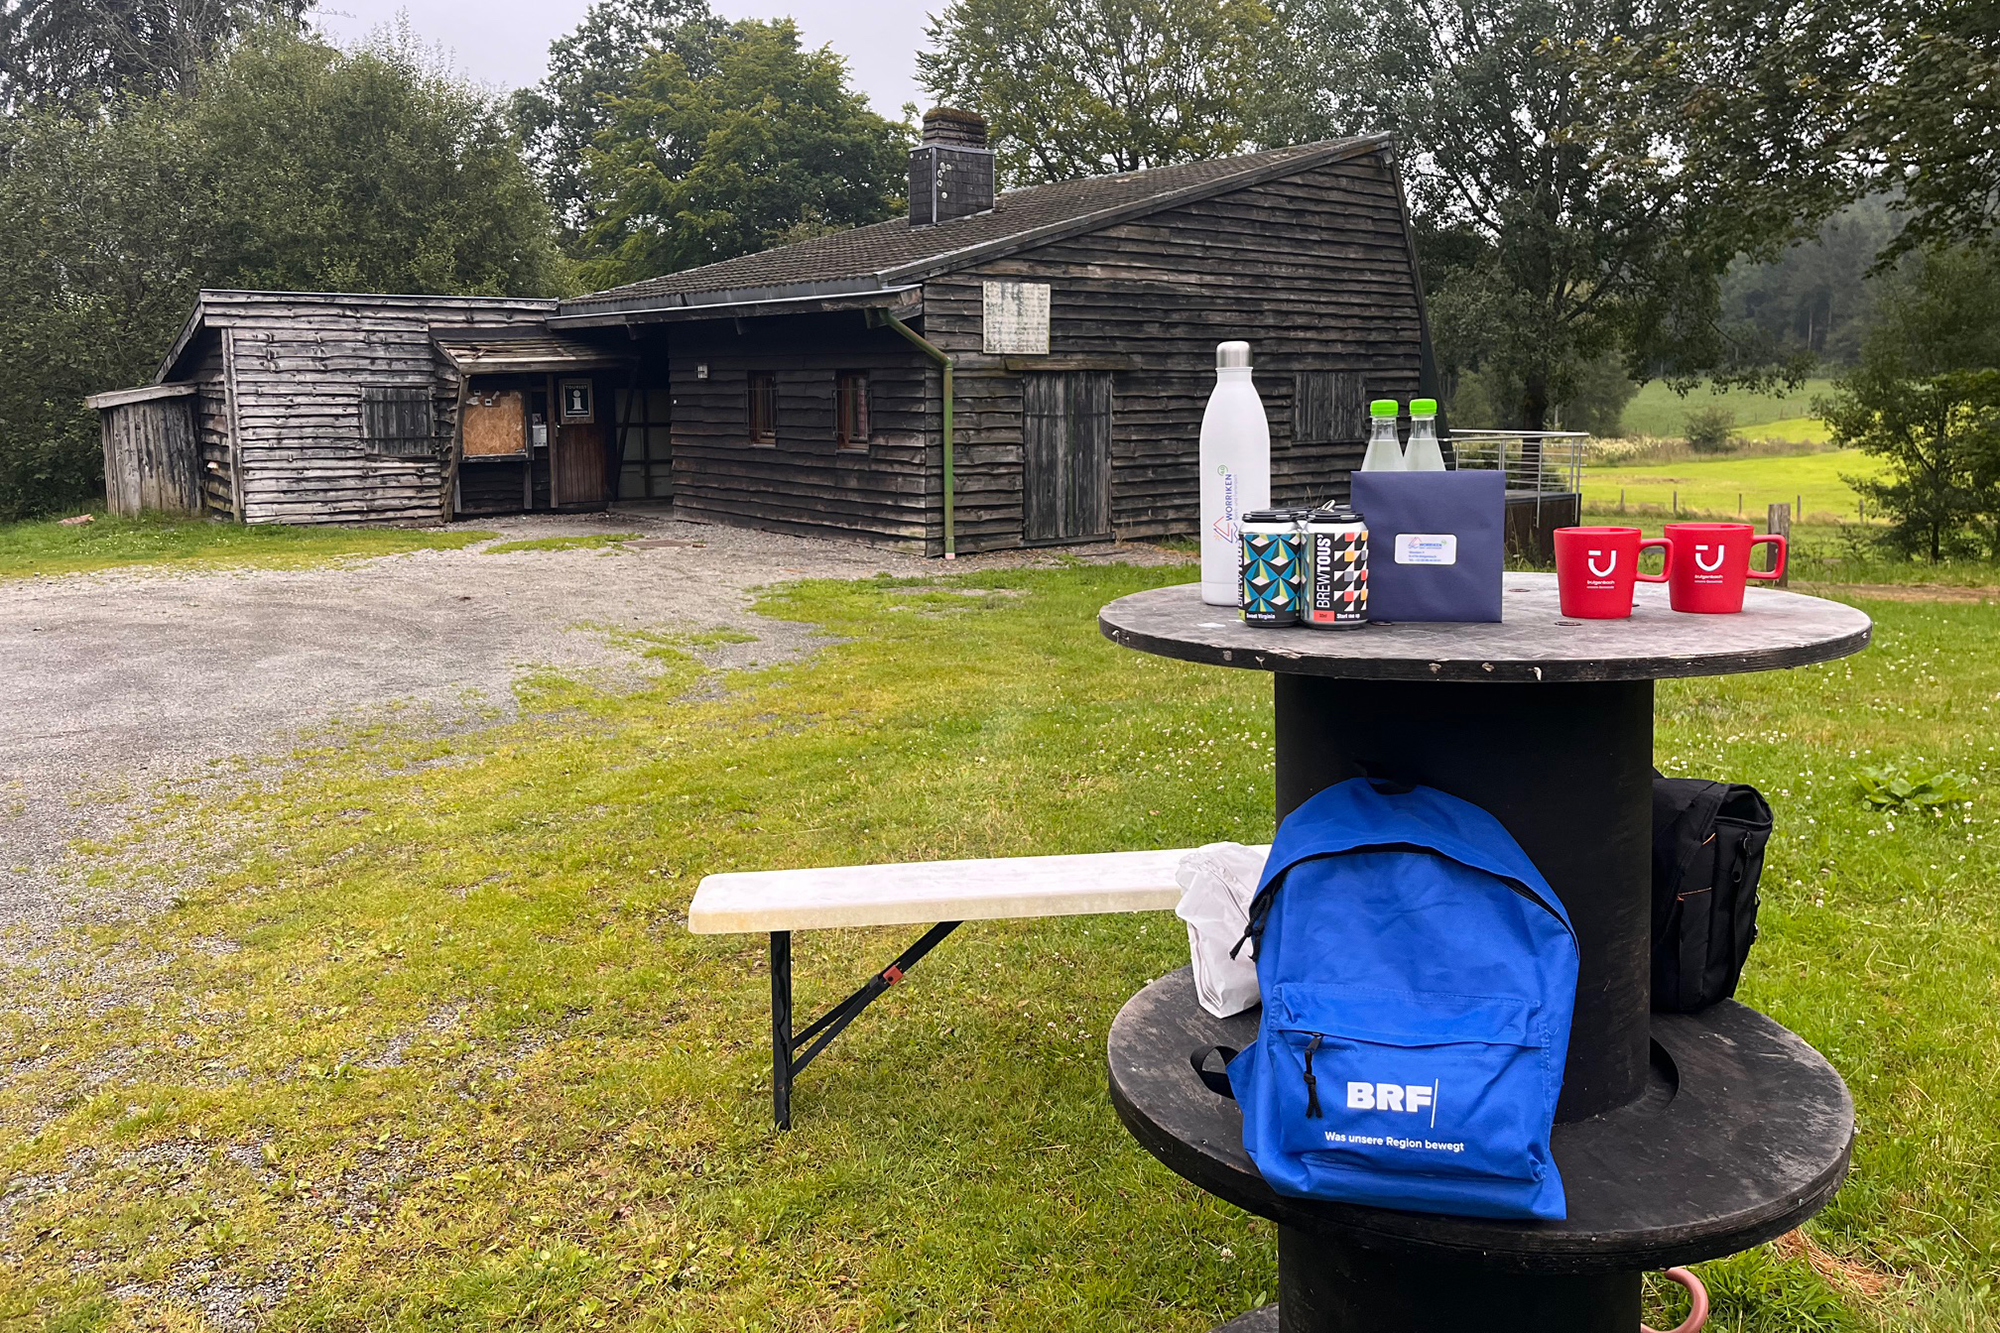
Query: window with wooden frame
(850, 410)
(397, 421)
(763, 407)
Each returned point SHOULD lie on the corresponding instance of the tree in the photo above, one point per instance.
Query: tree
(1925, 397)
(363, 170)
(559, 119)
(1931, 124)
(292, 164)
(771, 144)
(1084, 87)
(74, 55)
(1584, 171)
(1814, 299)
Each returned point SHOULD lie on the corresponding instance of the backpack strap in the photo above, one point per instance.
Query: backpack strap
(1215, 1080)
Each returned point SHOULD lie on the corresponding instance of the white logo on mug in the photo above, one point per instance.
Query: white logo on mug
(1704, 565)
(1605, 572)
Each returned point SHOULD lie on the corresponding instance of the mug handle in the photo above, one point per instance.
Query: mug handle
(1777, 559)
(1665, 544)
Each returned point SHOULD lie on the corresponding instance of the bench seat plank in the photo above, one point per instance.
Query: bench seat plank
(915, 892)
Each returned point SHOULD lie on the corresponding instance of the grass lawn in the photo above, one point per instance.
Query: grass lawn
(44, 546)
(425, 1045)
(1803, 430)
(1712, 486)
(1657, 410)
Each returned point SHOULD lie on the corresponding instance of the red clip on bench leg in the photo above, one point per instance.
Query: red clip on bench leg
(893, 975)
(1697, 1300)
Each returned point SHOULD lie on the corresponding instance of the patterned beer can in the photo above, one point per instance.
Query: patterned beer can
(1335, 558)
(1270, 567)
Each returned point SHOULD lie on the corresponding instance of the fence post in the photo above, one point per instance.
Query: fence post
(1739, 504)
(1677, 504)
(1779, 524)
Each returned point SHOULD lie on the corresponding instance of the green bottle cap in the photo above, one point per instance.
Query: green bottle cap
(1384, 407)
(1423, 407)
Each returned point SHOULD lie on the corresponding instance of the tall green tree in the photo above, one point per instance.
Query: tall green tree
(291, 164)
(363, 170)
(772, 144)
(560, 118)
(1584, 171)
(1084, 87)
(74, 55)
(1930, 120)
(1925, 397)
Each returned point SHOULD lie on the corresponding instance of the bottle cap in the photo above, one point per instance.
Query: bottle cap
(1232, 356)
(1384, 407)
(1332, 513)
(1423, 407)
(1270, 516)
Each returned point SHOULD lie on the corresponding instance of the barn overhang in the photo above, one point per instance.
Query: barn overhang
(806, 298)
(510, 350)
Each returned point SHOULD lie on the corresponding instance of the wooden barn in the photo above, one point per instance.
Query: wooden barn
(290, 407)
(991, 371)
(1031, 368)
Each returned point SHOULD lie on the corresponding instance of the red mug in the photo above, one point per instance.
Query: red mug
(1714, 563)
(1596, 569)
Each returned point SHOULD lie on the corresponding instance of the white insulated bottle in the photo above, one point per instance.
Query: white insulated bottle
(1235, 471)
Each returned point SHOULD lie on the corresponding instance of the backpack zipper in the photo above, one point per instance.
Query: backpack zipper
(1312, 1084)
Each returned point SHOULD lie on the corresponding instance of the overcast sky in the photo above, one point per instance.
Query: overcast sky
(506, 42)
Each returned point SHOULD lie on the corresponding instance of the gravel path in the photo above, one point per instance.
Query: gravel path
(118, 680)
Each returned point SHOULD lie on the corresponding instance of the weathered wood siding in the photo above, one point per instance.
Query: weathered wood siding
(298, 366)
(152, 457)
(1314, 270)
(803, 482)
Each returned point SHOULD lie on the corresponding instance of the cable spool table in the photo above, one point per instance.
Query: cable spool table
(1679, 1136)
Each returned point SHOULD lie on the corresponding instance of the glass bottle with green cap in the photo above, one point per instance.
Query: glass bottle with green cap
(1424, 455)
(1385, 451)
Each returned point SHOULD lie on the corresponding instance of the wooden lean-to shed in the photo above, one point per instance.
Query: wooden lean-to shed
(1030, 368)
(315, 407)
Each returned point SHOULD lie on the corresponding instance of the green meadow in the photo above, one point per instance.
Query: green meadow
(1658, 411)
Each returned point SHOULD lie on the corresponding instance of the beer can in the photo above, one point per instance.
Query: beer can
(1335, 559)
(1270, 567)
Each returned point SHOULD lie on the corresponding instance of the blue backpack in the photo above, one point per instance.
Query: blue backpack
(1418, 977)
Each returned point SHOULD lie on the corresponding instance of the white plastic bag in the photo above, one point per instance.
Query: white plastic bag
(1217, 883)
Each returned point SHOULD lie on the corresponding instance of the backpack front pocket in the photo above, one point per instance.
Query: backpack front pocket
(1404, 1083)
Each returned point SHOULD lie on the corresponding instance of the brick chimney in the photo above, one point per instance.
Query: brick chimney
(951, 170)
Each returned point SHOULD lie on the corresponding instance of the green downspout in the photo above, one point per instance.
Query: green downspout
(937, 354)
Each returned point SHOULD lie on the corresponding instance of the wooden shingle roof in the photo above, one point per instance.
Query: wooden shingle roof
(888, 254)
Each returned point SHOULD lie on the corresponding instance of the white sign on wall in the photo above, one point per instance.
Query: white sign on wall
(1017, 319)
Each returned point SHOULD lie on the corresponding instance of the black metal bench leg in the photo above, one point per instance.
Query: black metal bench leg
(781, 1027)
(792, 1051)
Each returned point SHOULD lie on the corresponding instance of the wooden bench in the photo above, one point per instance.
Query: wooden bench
(947, 893)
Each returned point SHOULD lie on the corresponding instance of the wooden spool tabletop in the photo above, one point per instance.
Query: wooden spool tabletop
(1743, 1132)
(1532, 642)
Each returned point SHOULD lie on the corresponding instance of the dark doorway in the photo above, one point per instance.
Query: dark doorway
(1066, 456)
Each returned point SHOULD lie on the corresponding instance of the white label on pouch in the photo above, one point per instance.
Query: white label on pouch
(1426, 548)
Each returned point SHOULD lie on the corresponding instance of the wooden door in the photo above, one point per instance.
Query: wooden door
(579, 464)
(1065, 456)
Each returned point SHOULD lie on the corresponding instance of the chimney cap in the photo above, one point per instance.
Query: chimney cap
(952, 125)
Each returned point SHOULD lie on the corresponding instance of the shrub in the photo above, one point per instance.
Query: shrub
(1710, 430)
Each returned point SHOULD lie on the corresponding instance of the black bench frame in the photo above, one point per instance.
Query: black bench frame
(792, 1051)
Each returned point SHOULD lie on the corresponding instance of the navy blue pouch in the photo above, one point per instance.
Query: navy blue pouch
(1436, 543)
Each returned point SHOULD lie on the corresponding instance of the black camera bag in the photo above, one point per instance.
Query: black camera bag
(1708, 850)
